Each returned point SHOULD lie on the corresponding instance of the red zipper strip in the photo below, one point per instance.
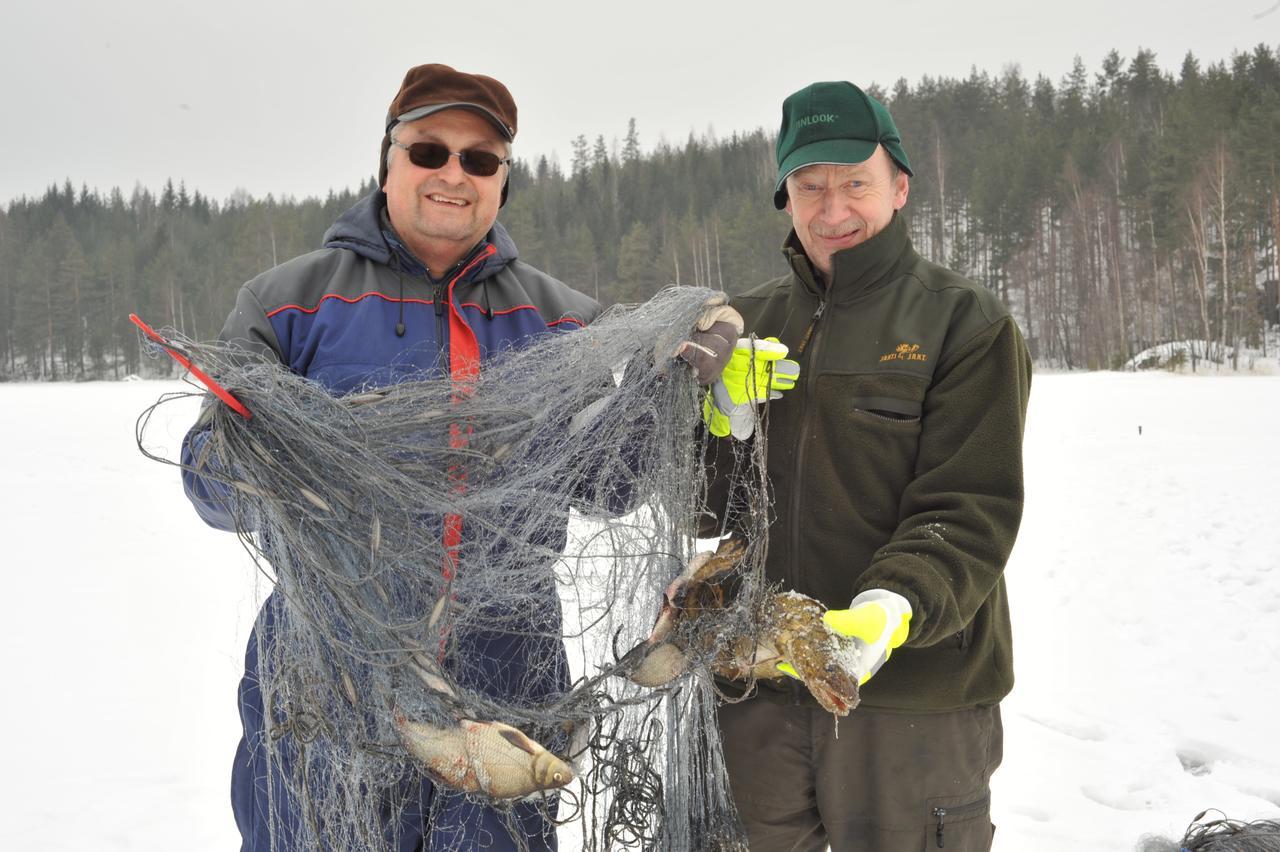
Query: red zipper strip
(464, 369)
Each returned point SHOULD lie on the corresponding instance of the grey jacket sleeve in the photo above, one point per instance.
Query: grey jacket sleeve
(247, 326)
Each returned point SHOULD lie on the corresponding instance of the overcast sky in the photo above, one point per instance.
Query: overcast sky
(288, 97)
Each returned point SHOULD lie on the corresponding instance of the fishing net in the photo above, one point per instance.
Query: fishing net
(1229, 835)
(435, 548)
(1220, 835)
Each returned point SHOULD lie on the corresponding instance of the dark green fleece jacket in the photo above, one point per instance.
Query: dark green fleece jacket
(896, 461)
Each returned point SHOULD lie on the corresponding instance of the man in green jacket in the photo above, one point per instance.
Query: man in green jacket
(896, 467)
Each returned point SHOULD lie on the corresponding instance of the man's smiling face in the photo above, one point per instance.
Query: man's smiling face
(835, 207)
(442, 213)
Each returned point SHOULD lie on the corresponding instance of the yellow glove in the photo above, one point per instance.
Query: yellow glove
(877, 620)
(757, 370)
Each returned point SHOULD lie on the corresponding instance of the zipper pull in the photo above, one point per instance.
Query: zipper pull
(941, 814)
(808, 332)
(439, 300)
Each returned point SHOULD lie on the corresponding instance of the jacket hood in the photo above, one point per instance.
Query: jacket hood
(359, 229)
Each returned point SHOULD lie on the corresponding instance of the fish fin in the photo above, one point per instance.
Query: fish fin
(518, 740)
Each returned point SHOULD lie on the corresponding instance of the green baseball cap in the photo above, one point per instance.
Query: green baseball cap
(833, 122)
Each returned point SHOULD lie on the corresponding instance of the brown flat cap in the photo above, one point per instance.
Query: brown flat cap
(431, 88)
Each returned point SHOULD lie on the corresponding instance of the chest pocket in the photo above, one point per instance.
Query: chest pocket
(889, 397)
(891, 408)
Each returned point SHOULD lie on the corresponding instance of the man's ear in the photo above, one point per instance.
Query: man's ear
(902, 187)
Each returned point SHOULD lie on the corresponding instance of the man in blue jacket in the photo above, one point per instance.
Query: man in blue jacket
(417, 279)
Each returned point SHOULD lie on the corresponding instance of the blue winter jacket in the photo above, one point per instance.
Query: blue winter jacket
(364, 312)
(336, 316)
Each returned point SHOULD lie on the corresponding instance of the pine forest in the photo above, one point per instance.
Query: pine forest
(1115, 210)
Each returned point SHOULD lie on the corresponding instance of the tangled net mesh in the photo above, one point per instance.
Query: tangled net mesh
(435, 545)
(1212, 831)
(1229, 835)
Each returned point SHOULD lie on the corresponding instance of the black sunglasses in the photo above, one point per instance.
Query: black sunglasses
(433, 155)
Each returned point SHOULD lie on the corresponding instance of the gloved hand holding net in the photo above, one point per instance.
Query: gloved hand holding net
(711, 340)
(758, 370)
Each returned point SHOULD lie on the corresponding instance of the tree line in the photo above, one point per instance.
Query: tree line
(1112, 211)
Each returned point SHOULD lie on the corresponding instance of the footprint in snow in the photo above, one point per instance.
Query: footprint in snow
(1031, 812)
(1194, 762)
(1080, 730)
(1131, 797)
(1270, 794)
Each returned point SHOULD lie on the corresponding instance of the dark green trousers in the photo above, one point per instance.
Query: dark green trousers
(883, 781)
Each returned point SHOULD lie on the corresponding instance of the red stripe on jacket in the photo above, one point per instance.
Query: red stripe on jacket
(352, 301)
(505, 311)
(411, 301)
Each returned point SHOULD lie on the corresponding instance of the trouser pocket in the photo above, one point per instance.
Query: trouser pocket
(959, 823)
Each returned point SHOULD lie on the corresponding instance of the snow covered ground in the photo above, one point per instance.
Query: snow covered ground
(1145, 591)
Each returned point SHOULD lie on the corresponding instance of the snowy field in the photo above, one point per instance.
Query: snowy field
(1145, 590)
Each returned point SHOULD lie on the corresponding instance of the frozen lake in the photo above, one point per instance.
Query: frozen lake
(1144, 587)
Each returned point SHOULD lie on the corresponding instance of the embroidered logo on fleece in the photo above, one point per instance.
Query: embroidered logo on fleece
(905, 352)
